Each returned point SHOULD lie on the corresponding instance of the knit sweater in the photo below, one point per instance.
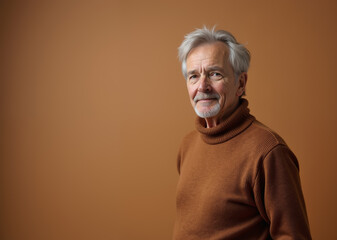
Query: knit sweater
(238, 180)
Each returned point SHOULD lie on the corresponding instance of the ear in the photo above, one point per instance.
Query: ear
(242, 81)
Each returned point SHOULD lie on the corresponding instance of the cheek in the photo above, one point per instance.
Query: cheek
(223, 97)
(191, 92)
(221, 91)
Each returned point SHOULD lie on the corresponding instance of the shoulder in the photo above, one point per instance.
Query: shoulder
(189, 141)
(265, 135)
(261, 139)
(272, 148)
(190, 136)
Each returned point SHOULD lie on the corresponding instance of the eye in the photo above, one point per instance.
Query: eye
(193, 78)
(215, 76)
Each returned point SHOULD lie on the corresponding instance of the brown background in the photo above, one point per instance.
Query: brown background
(94, 106)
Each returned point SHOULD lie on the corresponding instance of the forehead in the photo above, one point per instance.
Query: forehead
(207, 54)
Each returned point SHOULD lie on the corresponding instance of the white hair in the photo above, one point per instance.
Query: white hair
(239, 56)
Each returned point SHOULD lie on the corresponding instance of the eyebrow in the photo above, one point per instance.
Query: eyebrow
(214, 68)
(192, 72)
(211, 68)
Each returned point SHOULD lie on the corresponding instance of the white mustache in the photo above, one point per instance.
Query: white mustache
(202, 96)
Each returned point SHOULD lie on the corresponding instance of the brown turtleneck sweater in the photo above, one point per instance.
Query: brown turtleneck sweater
(238, 180)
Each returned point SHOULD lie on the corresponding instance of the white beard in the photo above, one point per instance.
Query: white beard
(213, 111)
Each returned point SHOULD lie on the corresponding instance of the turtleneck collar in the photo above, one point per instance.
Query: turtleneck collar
(227, 128)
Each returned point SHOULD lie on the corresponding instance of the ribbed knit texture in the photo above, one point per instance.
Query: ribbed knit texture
(238, 180)
(228, 128)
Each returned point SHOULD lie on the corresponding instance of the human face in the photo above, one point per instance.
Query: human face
(211, 85)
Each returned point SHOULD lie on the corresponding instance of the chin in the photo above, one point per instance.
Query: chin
(212, 112)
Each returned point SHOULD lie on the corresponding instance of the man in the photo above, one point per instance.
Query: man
(238, 179)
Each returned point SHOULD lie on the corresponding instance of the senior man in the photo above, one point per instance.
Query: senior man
(238, 178)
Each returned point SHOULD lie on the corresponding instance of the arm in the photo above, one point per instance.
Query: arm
(279, 194)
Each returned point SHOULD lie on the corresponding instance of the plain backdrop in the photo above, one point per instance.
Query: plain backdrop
(94, 107)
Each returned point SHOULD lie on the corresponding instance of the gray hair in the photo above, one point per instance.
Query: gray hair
(239, 56)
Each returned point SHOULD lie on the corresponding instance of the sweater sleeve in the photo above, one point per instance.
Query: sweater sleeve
(279, 195)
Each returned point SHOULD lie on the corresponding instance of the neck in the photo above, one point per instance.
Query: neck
(211, 122)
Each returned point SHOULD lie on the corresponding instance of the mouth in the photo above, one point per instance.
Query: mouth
(203, 97)
(206, 100)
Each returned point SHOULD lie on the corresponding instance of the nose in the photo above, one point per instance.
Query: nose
(204, 84)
